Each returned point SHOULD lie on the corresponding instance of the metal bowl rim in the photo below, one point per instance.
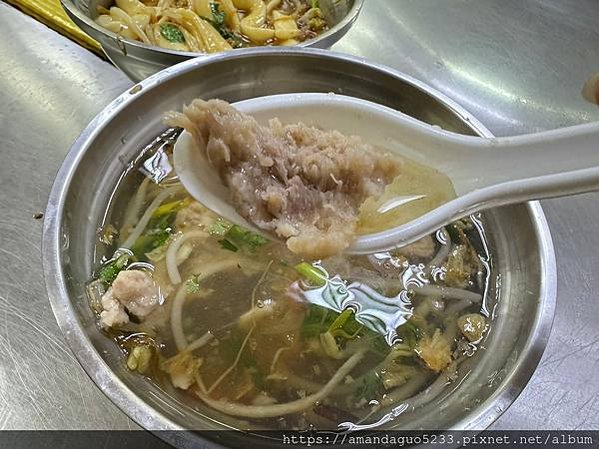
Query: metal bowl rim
(77, 14)
(150, 418)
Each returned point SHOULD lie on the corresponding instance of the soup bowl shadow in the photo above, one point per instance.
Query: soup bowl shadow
(138, 60)
(518, 236)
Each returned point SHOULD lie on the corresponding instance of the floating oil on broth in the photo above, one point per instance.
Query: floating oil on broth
(239, 332)
(416, 191)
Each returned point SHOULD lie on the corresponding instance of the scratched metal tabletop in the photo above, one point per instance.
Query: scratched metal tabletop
(518, 65)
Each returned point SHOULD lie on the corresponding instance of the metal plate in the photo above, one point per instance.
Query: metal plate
(519, 235)
(139, 60)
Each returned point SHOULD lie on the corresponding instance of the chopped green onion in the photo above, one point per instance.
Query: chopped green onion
(169, 208)
(410, 333)
(226, 244)
(160, 229)
(345, 325)
(220, 227)
(109, 272)
(312, 274)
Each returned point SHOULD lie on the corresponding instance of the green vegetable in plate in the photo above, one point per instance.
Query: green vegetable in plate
(345, 326)
(226, 244)
(370, 387)
(110, 271)
(237, 237)
(159, 231)
(312, 274)
(220, 227)
(410, 333)
(218, 16)
(171, 33)
(193, 284)
(169, 208)
(317, 321)
(218, 22)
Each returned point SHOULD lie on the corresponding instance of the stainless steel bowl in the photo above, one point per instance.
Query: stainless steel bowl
(139, 60)
(518, 235)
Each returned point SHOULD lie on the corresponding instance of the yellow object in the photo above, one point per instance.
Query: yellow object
(51, 13)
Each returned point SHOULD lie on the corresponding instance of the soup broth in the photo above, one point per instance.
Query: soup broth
(253, 332)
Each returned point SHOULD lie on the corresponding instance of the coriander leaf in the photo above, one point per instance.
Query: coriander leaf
(370, 387)
(171, 33)
(237, 237)
(258, 376)
(193, 284)
(410, 333)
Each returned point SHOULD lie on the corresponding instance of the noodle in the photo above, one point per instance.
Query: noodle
(437, 291)
(145, 218)
(173, 250)
(267, 411)
(211, 26)
(134, 208)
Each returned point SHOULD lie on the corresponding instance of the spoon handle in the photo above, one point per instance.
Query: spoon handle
(548, 164)
(489, 173)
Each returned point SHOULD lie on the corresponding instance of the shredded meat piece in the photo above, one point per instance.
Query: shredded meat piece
(132, 290)
(182, 369)
(301, 183)
(435, 351)
(114, 314)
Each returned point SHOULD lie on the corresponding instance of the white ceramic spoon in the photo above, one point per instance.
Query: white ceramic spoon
(485, 172)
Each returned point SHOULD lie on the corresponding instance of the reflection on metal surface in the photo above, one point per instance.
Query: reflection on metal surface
(394, 413)
(516, 65)
(379, 313)
(51, 88)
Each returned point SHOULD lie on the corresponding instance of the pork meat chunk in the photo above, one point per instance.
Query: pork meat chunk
(132, 291)
(301, 183)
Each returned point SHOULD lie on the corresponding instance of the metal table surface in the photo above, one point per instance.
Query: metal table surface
(517, 65)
